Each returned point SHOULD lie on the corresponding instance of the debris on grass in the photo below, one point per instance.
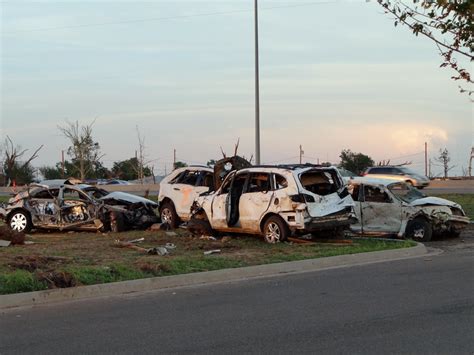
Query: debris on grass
(160, 250)
(214, 251)
(207, 237)
(171, 234)
(4, 243)
(136, 240)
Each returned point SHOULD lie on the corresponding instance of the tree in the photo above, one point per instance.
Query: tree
(51, 172)
(128, 169)
(16, 171)
(141, 164)
(444, 159)
(355, 162)
(84, 152)
(447, 23)
(179, 164)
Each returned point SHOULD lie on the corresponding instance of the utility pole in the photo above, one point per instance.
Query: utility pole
(301, 155)
(257, 93)
(470, 162)
(62, 164)
(174, 159)
(426, 159)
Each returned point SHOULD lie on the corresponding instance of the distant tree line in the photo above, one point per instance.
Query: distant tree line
(85, 160)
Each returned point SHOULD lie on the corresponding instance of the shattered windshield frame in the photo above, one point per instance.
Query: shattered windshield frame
(405, 192)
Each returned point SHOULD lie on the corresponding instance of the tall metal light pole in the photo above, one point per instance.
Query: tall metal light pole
(257, 94)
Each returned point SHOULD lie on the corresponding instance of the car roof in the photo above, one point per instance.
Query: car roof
(373, 181)
(288, 168)
(60, 182)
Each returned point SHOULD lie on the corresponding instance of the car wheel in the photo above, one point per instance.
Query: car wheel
(20, 221)
(168, 215)
(419, 230)
(275, 230)
(200, 227)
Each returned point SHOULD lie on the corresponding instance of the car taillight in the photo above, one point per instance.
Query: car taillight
(302, 198)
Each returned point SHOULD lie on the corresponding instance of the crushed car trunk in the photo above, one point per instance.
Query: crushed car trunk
(326, 193)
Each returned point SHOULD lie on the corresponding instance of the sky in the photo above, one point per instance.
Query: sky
(333, 75)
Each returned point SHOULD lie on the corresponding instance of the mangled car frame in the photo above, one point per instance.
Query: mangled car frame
(393, 207)
(59, 205)
(273, 201)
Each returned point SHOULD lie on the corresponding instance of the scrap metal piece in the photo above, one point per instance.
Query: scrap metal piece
(4, 243)
(214, 251)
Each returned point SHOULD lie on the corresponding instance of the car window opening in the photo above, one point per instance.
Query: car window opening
(319, 182)
(376, 194)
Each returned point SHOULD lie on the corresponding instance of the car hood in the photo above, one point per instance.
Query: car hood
(123, 196)
(434, 201)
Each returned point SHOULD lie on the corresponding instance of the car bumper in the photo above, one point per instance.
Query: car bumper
(342, 221)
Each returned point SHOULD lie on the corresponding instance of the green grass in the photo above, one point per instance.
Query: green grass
(20, 281)
(465, 200)
(90, 275)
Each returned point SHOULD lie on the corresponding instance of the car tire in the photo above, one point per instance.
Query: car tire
(20, 221)
(419, 230)
(200, 227)
(168, 215)
(275, 230)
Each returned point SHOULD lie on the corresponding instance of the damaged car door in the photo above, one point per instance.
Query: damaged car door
(379, 212)
(220, 204)
(255, 200)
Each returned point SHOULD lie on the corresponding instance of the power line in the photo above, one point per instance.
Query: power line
(167, 18)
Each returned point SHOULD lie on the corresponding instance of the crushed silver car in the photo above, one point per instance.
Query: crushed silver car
(393, 207)
(61, 205)
(274, 201)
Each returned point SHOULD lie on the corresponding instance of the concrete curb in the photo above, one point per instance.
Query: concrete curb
(208, 277)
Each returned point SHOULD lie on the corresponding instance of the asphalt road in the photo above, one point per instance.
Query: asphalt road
(422, 306)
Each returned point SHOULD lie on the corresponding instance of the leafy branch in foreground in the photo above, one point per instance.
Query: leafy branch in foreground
(449, 24)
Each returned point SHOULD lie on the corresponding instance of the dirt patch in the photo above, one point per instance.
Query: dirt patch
(35, 262)
(16, 238)
(154, 269)
(55, 279)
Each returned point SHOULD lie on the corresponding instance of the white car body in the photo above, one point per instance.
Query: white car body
(248, 197)
(181, 192)
(386, 206)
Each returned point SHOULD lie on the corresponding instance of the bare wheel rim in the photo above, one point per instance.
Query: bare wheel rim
(18, 222)
(166, 215)
(273, 233)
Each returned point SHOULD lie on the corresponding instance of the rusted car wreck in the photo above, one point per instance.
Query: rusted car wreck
(392, 207)
(62, 205)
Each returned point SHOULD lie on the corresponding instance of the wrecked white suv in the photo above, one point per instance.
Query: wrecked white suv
(276, 202)
(178, 191)
(393, 207)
